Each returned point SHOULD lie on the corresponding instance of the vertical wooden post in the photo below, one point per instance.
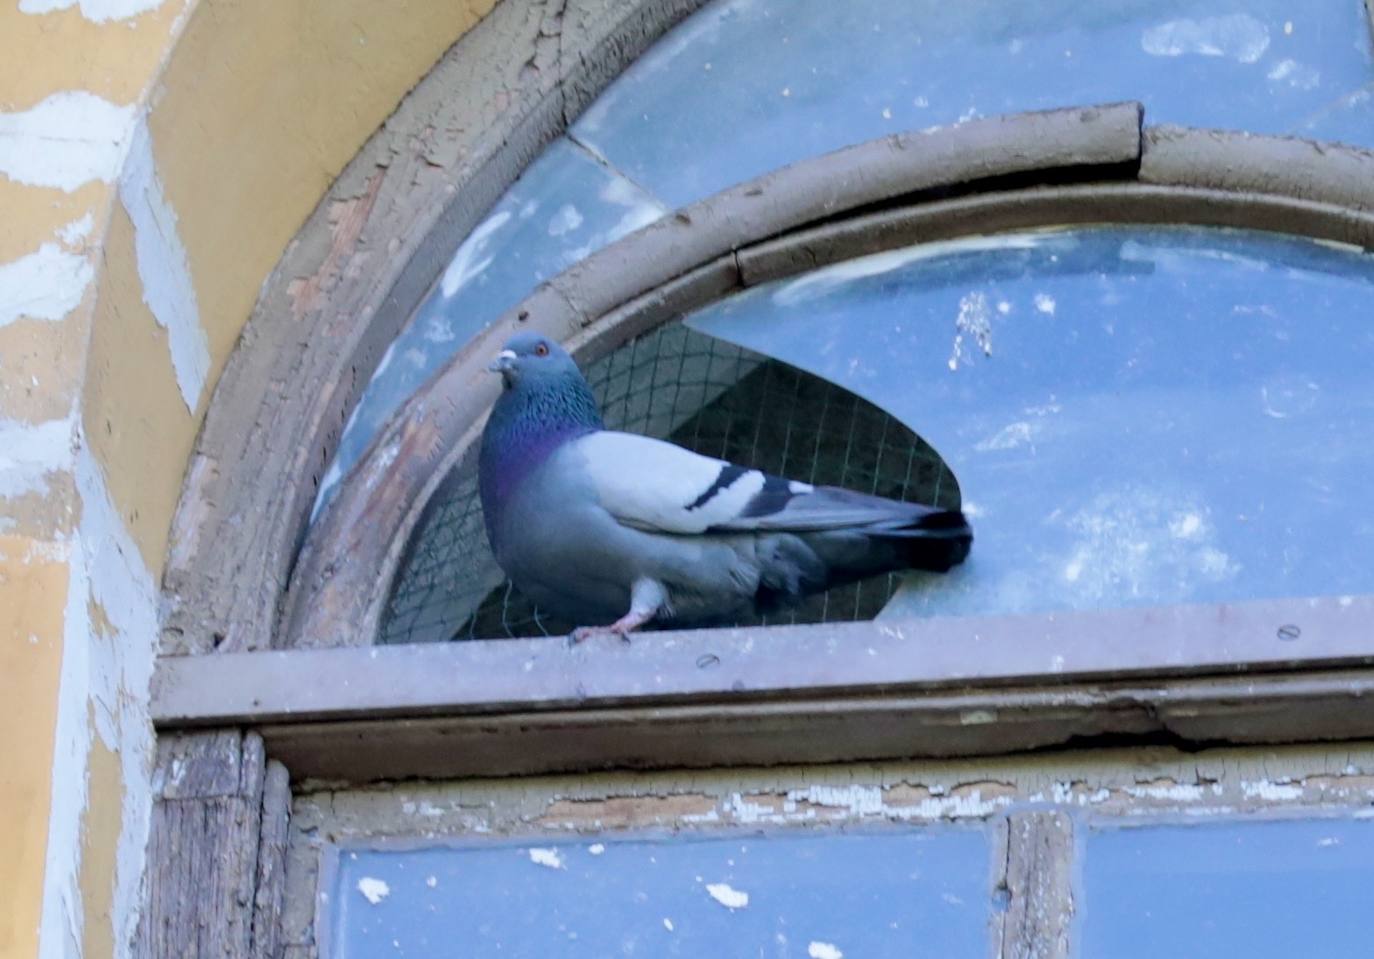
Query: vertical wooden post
(1038, 885)
(204, 847)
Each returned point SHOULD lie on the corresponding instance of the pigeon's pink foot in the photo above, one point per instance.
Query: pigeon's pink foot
(622, 627)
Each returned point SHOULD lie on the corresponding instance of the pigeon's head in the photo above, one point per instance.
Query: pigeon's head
(531, 359)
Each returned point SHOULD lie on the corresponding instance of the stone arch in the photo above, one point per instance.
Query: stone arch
(349, 279)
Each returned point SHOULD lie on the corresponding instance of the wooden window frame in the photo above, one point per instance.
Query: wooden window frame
(1037, 813)
(1262, 672)
(231, 725)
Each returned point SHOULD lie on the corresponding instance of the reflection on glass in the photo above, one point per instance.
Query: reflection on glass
(745, 86)
(565, 207)
(893, 894)
(1135, 416)
(1258, 889)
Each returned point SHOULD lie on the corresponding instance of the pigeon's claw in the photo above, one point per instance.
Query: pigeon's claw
(647, 598)
(583, 633)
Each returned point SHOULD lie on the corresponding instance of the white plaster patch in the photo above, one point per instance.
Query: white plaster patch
(742, 810)
(105, 678)
(97, 11)
(29, 453)
(1044, 303)
(565, 220)
(1271, 791)
(1236, 36)
(727, 896)
(76, 231)
(824, 950)
(469, 262)
(1172, 791)
(374, 890)
(164, 268)
(549, 858)
(44, 285)
(596, 849)
(667, 924)
(66, 140)
(1296, 74)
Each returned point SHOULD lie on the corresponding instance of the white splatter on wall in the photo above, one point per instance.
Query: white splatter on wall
(727, 896)
(374, 890)
(549, 858)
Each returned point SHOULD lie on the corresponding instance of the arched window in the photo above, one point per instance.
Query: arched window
(965, 254)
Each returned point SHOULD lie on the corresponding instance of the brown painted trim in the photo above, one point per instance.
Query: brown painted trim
(1249, 163)
(350, 556)
(933, 688)
(355, 272)
(1278, 709)
(754, 665)
(1058, 206)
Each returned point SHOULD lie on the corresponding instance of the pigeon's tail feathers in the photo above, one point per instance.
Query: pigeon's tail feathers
(938, 541)
(934, 540)
(939, 548)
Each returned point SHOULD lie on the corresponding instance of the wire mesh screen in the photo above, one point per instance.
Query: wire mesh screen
(706, 395)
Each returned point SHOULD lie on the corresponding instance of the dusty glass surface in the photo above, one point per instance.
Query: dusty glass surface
(892, 893)
(745, 86)
(1257, 889)
(565, 206)
(1135, 416)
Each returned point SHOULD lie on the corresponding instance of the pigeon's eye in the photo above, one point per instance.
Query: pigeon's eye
(541, 350)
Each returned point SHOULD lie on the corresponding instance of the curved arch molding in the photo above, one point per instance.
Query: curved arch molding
(1061, 167)
(351, 276)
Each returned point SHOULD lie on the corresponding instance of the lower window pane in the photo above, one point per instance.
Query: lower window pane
(889, 893)
(1252, 889)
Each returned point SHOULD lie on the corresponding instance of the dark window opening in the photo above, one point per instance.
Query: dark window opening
(710, 397)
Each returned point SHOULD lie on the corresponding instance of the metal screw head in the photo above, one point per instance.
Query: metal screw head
(1288, 632)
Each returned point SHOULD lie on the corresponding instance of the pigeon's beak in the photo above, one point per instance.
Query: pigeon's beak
(504, 362)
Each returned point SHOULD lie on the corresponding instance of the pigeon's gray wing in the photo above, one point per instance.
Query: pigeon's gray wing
(653, 485)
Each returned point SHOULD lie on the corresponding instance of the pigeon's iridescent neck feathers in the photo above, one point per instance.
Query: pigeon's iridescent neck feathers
(534, 416)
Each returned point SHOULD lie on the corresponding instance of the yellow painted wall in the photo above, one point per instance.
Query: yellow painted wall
(253, 108)
(261, 105)
(33, 594)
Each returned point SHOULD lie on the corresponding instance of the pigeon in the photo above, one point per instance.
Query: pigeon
(616, 530)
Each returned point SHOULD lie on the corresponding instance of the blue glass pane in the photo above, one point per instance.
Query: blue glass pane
(564, 207)
(1134, 416)
(1239, 889)
(745, 86)
(895, 894)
